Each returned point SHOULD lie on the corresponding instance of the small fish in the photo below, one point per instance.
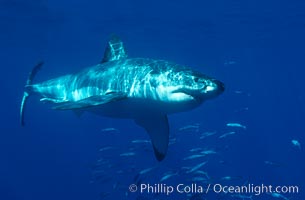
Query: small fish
(207, 134)
(207, 152)
(238, 92)
(199, 178)
(128, 154)
(192, 127)
(185, 168)
(271, 163)
(222, 162)
(115, 185)
(296, 143)
(195, 149)
(242, 93)
(172, 141)
(238, 125)
(226, 134)
(196, 167)
(167, 176)
(114, 130)
(144, 171)
(229, 62)
(194, 156)
(140, 141)
(230, 178)
(202, 173)
(106, 148)
(278, 195)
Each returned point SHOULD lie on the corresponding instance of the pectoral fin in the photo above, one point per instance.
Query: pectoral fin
(158, 130)
(91, 101)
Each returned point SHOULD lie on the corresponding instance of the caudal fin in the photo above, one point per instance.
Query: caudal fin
(26, 93)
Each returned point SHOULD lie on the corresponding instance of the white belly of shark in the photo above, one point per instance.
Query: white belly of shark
(145, 90)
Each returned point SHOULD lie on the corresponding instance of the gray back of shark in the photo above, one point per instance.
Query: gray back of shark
(145, 90)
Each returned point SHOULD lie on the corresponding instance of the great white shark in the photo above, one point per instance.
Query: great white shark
(143, 89)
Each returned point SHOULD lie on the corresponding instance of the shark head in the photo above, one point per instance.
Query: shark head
(187, 85)
(200, 87)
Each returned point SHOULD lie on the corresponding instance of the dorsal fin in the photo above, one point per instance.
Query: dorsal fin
(115, 50)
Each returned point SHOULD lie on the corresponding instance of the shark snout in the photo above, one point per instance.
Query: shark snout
(220, 86)
(214, 89)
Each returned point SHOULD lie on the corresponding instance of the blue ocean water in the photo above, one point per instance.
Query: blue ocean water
(257, 48)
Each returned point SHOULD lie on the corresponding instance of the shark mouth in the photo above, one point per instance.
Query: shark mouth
(193, 94)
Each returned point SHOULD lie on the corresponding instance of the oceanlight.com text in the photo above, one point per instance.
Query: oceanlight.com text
(255, 189)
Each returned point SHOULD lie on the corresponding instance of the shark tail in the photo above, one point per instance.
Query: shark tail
(27, 92)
